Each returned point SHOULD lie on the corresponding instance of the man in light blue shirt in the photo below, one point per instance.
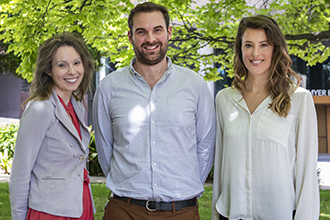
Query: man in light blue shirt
(154, 127)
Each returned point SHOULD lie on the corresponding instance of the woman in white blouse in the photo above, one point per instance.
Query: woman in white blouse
(267, 143)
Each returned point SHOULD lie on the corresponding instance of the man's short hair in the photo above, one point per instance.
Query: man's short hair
(148, 7)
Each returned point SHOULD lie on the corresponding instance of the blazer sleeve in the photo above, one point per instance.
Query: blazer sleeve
(33, 127)
(103, 130)
(306, 183)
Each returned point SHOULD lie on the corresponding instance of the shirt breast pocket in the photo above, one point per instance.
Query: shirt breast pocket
(180, 112)
(274, 129)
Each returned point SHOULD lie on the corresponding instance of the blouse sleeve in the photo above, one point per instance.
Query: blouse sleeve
(306, 183)
(217, 160)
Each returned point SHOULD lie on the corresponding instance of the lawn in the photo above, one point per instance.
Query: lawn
(100, 194)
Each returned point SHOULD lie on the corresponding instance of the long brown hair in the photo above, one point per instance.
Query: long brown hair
(42, 83)
(280, 85)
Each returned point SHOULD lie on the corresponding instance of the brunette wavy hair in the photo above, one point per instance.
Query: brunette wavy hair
(280, 84)
(42, 83)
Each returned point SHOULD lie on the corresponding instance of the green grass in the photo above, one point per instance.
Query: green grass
(325, 205)
(4, 202)
(100, 195)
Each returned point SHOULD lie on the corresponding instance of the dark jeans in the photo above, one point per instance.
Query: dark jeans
(224, 218)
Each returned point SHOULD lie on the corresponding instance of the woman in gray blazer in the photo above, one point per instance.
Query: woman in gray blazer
(49, 179)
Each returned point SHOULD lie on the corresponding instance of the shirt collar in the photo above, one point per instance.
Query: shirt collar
(136, 74)
(239, 99)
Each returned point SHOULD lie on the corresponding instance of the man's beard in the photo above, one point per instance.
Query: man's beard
(144, 58)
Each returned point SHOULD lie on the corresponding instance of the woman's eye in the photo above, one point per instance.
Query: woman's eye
(61, 65)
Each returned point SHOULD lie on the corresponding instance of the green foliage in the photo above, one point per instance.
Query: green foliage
(92, 146)
(8, 61)
(25, 24)
(94, 167)
(7, 145)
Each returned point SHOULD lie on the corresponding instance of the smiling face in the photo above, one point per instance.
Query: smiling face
(149, 37)
(67, 71)
(257, 52)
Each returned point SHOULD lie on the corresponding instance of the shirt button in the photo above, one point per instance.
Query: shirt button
(74, 155)
(71, 145)
(82, 158)
(154, 142)
(155, 184)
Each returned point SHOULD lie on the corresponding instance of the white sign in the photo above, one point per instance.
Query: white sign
(320, 92)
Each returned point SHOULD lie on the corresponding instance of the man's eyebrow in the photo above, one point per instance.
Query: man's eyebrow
(139, 29)
(143, 29)
(159, 26)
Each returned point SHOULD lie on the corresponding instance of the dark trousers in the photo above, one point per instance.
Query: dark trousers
(120, 210)
(224, 218)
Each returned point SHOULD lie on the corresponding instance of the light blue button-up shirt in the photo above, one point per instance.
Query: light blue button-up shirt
(159, 143)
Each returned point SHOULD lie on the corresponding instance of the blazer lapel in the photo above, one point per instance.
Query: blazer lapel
(80, 112)
(63, 117)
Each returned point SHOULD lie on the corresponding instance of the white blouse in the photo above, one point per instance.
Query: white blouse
(265, 165)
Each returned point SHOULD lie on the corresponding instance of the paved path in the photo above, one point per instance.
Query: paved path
(7, 121)
(323, 166)
(94, 179)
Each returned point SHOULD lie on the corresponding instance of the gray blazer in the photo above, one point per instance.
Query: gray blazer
(49, 160)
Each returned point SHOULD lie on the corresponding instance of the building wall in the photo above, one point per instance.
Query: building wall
(14, 91)
(10, 96)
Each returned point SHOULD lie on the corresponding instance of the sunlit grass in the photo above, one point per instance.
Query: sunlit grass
(325, 205)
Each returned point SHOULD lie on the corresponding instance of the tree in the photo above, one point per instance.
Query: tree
(8, 61)
(25, 24)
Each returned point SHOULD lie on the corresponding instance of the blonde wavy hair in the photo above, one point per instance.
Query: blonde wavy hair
(280, 84)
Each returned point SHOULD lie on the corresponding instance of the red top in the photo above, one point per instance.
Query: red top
(87, 202)
(69, 109)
